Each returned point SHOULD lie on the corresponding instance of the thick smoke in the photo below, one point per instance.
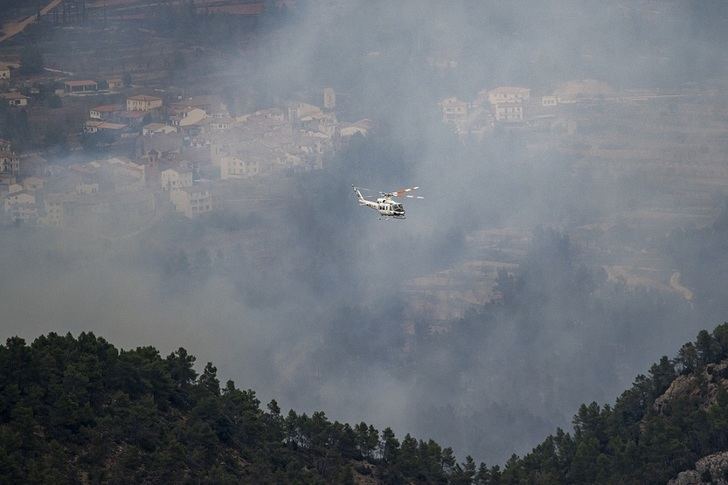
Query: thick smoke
(302, 298)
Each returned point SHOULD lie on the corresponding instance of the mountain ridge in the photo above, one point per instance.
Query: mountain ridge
(78, 410)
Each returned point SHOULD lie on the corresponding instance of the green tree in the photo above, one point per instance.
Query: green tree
(707, 348)
(496, 475)
(583, 469)
(721, 336)
(389, 446)
(688, 359)
(447, 461)
(180, 365)
(661, 375)
(408, 457)
(367, 439)
(464, 474)
(718, 420)
(208, 379)
(132, 416)
(483, 475)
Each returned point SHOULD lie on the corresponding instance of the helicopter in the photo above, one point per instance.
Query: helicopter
(385, 204)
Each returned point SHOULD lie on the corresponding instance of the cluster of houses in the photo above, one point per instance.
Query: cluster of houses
(503, 104)
(10, 97)
(110, 191)
(514, 105)
(183, 151)
(124, 120)
(275, 140)
(14, 98)
(9, 163)
(113, 192)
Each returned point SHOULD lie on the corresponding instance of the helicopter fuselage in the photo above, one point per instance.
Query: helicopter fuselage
(389, 207)
(385, 206)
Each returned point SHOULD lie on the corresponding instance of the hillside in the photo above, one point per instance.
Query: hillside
(77, 410)
(671, 426)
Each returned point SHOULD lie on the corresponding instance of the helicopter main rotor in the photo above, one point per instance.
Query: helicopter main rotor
(402, 193)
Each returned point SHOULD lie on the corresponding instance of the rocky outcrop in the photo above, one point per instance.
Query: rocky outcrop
(703, 386)
(680, 387)
(711, 469)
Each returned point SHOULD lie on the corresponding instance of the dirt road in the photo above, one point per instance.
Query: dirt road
(675, 285)
(13, 28)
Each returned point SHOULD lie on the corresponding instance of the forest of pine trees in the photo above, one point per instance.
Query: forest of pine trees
(79, 410)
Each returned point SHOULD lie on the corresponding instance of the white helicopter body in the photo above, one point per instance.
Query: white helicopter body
(386, 205)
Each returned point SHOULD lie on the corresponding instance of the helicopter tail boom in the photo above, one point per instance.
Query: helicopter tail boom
(360, 198)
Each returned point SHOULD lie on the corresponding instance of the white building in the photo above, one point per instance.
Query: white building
(192, 201)
(453, 110)
(172, 179)
(20, 206)
(9, 162)
(549, 101)
(508, 94)
(15, 99)
(220, 123)
(509, 112)
(87, 188)
(115, 83)
(56, 208)
(237, 168)
(81, 86)
(143, 103)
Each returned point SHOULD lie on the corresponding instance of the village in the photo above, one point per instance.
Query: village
(184, 150)
(142, 152)
(115, 145)
(171, 128)
(115, 151)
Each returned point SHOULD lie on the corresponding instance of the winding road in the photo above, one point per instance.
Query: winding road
(675, 285)
(13, 28)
